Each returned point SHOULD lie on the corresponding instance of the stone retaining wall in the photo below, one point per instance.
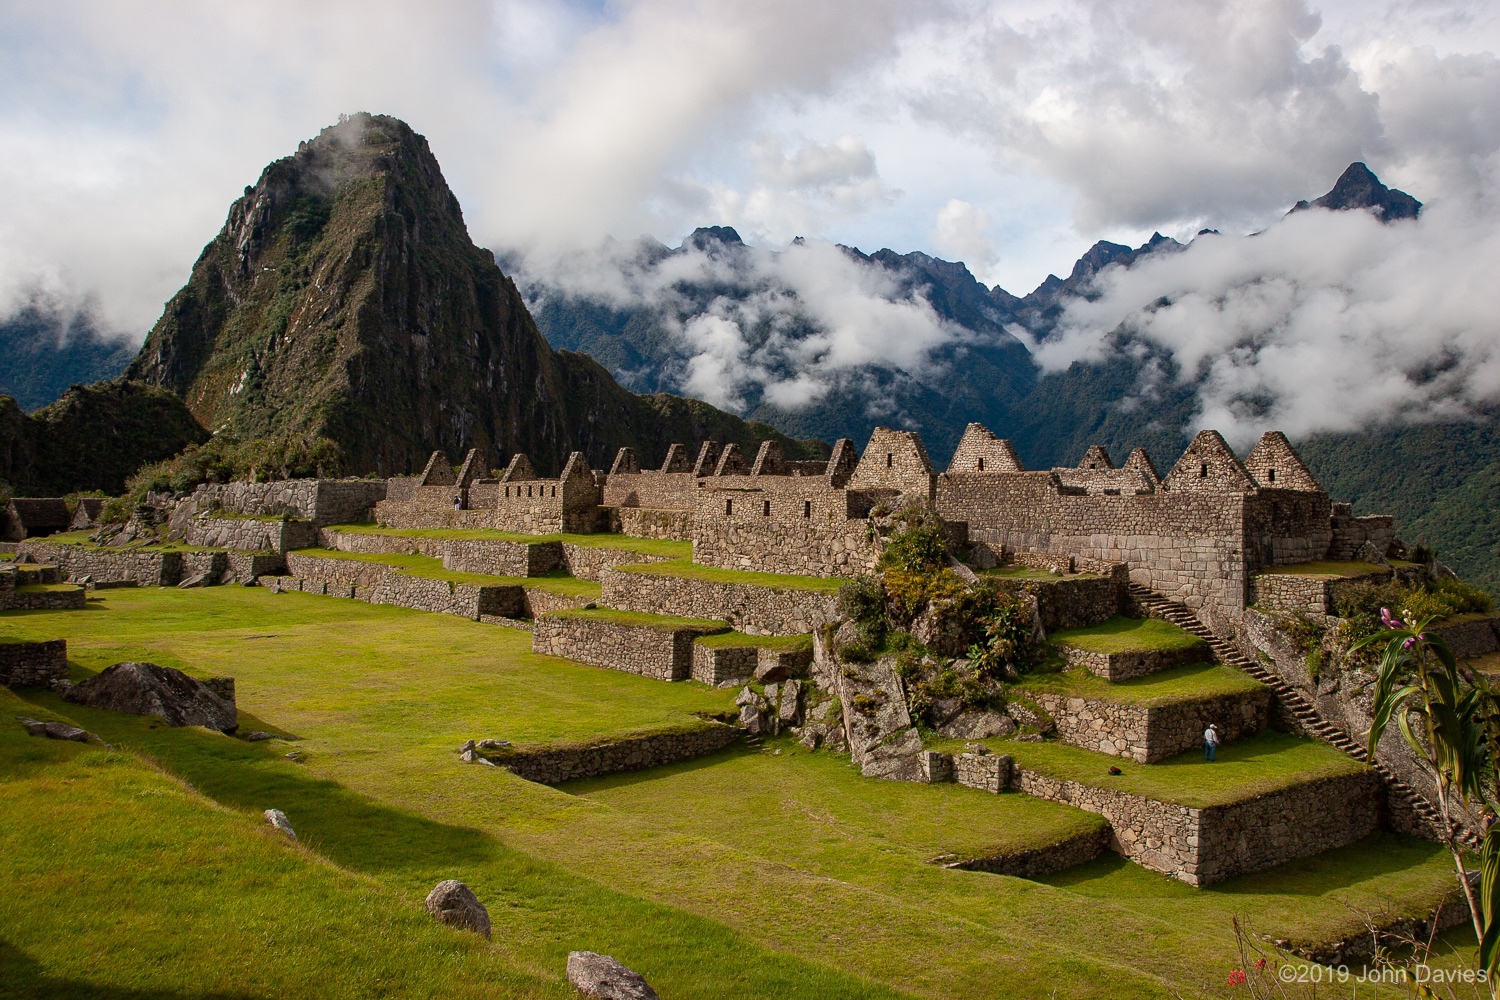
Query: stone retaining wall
(322, 501)
(988, 772)
(717, 664)
(1065, 854)
(347, 572)
(499, 558)
(587, 562)
(250, 535)
(1064, 603)
(146, 569)
(1147, 735)
(748, 607)
(247, 566)
(369, 543)
(1204, 846)
(1475, 637)
(660, 653)
(494, 557)
(1124, 666)
(71, 599)
(33, 664)
(553, 767)
(7, 585)
(1301, 594)
(539, 601)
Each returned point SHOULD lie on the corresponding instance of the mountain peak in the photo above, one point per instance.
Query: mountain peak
(707, 238)
(1359, 188)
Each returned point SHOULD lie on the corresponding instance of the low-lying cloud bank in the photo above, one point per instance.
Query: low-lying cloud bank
(1326, 321)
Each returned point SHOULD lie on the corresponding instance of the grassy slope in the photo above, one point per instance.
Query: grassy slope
(1327, 567)
(1127, 635)
(645, 546)
(1244, 769)
(381, 697)
(693, 571)
(1188, 682)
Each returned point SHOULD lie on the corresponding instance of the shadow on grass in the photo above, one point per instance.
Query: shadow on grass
(348, 828)
(23, 976)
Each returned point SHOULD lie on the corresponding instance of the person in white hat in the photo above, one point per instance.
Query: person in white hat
(1210, 741)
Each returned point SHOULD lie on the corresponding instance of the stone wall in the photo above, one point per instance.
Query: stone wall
(749, 608)
(1197, 547)
(247, 566)
(984, 771)
(32, 664)
(499, 558)
(553, 767)
(717, 664)
(1072, 603)
(1351, 534)
(322, 501)
(1474, 637)
(1037, 862)
(651, 489)
(251, 535)
(1204, 846)
(1295, 823)
(1124, 666)
(1149, 734)
(665, 654)
(378, 583)
(373, 544)
(66, 599)
(809, 530)
(145, 569)
(587, 562)
(7, 585)
(647, 522)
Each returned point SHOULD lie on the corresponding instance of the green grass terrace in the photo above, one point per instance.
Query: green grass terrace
(1033, 573)
(1127, 635)
(1189, 682)
(426, 566)
(689, 570)
(1245, 769)
(646, 546)
(637, 619)
(739, 640)
(781, 874)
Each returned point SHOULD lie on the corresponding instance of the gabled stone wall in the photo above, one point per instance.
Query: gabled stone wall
(322, 501)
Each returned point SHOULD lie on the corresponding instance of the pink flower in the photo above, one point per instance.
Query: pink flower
(1236, 978)
(1260, 963)
(1387, 619)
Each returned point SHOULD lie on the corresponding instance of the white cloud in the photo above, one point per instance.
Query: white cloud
(959, 234)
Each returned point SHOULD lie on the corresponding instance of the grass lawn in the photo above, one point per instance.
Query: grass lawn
(426, 566)
(1032, 573)
(736, 640)
(46, 588)
(646, 546)
(1127, 635)
(1263, 763)
(692, 571)
(637, 619)
(793, 878)
(1185, 683)
(81, 537)
(1325, 567)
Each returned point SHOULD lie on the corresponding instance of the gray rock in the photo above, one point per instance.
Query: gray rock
(278, 819)
(149, 689)
(492, 744)
(468, 756)
(468, 747)
(602, 978)
(746, 697)
(199, 580)
(55, 730)
(977, 724)
(789, 711)
(453, 903)
(256, 736)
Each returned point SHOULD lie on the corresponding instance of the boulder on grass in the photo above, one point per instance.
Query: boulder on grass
(602, 978)
(278, 819)
(149, 689)
(55, 730)
(453, 903)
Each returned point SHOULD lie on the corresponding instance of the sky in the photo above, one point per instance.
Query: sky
(1008, 135)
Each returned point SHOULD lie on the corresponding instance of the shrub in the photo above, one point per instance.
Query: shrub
(919, 545)
(1008, 645)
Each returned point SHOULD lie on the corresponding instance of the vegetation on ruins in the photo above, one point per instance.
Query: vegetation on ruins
(1450, 720)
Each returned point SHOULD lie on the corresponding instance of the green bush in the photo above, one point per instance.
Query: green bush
(919, 545)
(1008, 645)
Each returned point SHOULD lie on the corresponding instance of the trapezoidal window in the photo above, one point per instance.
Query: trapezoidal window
(507, 491)
(728, 507)
(554, 491)
(766, 510)
(887, 460)
(807, 508)
(981, 465)
(1273, 475)
(528, 491)
(1203, 471)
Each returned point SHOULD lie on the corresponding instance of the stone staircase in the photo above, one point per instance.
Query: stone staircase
(1296, 704)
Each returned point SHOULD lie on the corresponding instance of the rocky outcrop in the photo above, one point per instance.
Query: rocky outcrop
(149, 689)
(453, 903)
(602, 978)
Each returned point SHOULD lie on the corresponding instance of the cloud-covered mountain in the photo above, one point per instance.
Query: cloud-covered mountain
(1329, 324)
